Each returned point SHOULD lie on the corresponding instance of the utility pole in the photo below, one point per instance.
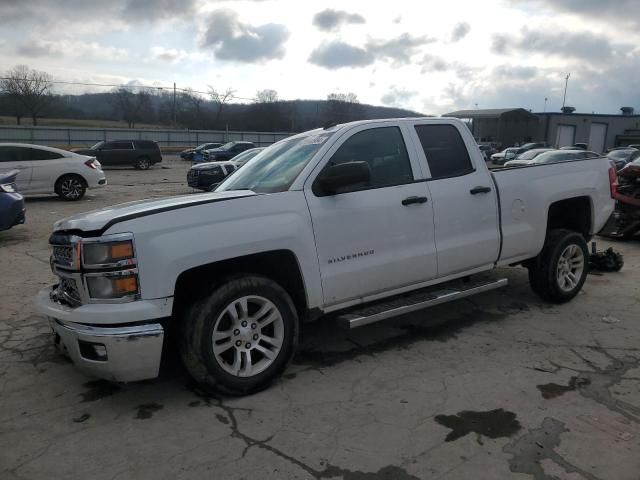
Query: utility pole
(545, 104)
(566, 82)
(174, 104)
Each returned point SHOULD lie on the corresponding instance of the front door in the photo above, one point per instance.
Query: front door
(17, 158)
(465, 205)
(376, 237)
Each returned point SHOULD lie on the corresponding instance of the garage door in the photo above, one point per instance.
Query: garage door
(597, 137)
(566, 134)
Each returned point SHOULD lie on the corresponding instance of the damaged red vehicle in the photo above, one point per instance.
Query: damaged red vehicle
(625, 220)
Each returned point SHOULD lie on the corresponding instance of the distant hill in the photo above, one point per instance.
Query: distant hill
(157, 110)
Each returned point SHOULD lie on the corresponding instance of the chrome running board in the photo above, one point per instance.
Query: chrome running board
(418, 300)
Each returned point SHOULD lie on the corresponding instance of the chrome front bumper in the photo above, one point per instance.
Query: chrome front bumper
(117, 353)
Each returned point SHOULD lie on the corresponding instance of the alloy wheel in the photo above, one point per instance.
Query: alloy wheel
(71, 188)
(248, 336)
(570, 267)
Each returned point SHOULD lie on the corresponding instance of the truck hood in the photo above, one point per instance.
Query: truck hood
(100, 220)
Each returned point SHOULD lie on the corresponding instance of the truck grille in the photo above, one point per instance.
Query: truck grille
(63, 254)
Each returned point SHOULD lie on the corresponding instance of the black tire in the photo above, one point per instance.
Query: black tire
(143, 163)
(546, 270)
(70, 187)
(203, 318)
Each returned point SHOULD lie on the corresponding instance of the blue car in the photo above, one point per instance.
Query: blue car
(11, 202)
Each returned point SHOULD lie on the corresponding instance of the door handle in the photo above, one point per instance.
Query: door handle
(411, 200)
(477, 190)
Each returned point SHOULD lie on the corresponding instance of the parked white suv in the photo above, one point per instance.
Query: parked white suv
(51, 170)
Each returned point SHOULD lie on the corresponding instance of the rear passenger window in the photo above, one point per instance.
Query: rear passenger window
(121, 146)
(385, 152)
(445, 150)
(36, 154)
(12, 154)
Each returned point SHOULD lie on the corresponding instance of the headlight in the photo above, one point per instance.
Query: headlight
(107, 253)
(8, 188)
(112, 286)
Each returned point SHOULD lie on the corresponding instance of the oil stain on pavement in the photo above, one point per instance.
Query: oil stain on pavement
(596, 383)
(98, 389)
(528, 451)
(492, 424)
(146, 410)
(553, 390)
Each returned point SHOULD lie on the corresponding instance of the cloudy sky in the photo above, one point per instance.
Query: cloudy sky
(432, 57)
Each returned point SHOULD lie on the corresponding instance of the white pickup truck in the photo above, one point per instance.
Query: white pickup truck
(363, 221)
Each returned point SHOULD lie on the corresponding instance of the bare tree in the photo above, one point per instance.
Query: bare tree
(12, 106)
(220, 99)
(193, 99)
(28, 88)
(343, 97)
(267, 96)
(131, 105)
(343, 107)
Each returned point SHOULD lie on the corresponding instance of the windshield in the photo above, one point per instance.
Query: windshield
(202, 147)
(227, 146)
(552, 157)
(530, 154)
(275, 168)
(247, 155)
(620, 154)
(97, 146)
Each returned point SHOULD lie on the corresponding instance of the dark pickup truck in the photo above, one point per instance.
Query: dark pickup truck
(140, 154)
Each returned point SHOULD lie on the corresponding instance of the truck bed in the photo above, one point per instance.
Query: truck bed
(526, 193)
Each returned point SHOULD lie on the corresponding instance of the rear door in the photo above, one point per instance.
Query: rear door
(464, 200)
(47, 168)
(118, 153)
(17, 158)
(371, 239)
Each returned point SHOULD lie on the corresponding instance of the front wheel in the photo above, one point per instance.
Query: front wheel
(559, 272)
(143, 163)
(70, 187)
(241, 337)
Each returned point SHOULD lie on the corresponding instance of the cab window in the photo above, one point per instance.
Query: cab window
(445, 150)
(384, 150)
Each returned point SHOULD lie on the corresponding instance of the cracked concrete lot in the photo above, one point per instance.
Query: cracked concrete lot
(499, 386)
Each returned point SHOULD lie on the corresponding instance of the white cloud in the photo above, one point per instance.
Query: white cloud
(508, 52)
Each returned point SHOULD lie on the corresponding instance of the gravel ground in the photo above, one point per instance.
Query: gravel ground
(501, 385)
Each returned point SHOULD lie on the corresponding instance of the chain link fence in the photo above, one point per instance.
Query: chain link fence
(67, 137)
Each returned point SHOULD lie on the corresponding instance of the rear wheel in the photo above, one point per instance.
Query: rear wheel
(70, 187)
(143, 163)
(559, 272)
(241, 337)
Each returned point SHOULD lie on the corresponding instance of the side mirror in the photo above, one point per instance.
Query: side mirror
(337, 177)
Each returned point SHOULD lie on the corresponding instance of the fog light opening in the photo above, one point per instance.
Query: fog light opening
(93, 351)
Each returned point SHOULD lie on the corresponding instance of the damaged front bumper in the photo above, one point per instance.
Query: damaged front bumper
(123, 352)
(117, 353)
